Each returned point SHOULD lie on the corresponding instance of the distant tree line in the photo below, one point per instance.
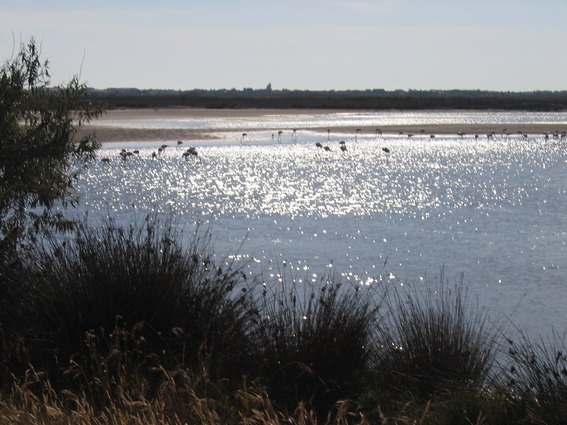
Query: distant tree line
(371, 99)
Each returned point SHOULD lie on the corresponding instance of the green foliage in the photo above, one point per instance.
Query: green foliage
(38, 124)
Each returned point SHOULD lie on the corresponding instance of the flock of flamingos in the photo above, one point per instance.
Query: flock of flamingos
(191, 152)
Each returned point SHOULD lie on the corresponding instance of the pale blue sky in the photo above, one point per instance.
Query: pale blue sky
(504, 45)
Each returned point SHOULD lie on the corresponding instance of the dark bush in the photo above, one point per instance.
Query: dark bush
(432, 338)
(536, 375)
(314, 342)
(134, 291)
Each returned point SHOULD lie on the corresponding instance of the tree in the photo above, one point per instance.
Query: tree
(40, 152)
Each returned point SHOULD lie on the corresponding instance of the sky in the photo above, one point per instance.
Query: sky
(500, 45)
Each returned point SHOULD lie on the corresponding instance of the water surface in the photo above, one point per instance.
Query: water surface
(492, 211)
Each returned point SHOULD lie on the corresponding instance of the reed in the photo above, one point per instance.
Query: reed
(433, 339)
(131, 293)
(313, 342)
(126, 325)
(536, 375)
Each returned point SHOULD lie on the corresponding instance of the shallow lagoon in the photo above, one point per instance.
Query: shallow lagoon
(491, 211)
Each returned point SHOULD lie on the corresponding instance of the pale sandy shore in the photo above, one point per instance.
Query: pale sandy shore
(107, 130)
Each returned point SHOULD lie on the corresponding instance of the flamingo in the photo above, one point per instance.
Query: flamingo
(190, 152)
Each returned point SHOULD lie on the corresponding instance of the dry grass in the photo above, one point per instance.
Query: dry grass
(181, 400)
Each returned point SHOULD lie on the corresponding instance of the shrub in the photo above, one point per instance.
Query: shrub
(134, 291)
(313, 342)
(536, 375)
(432, 339)
(38, 145)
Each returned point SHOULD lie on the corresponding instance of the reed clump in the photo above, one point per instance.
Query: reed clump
(127, 325)
(110, 298)
(432, 338)
(314, 342)
(536, 375)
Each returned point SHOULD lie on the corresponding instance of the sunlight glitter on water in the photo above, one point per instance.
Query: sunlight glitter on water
(493, 210)
(418, 178)
(341, 119)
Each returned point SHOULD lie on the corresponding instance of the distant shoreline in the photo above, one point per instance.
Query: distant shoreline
(106, 131)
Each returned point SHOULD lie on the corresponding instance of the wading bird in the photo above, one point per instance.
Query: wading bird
(190, 152)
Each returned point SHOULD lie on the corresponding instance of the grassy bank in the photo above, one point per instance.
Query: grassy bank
(127, 325)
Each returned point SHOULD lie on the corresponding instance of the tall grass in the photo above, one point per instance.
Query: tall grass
(536, 373)
(125, 324)
(134, 291)
(314, 342)
(433, 338)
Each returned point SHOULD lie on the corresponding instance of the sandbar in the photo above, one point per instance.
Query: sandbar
(108, 129)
